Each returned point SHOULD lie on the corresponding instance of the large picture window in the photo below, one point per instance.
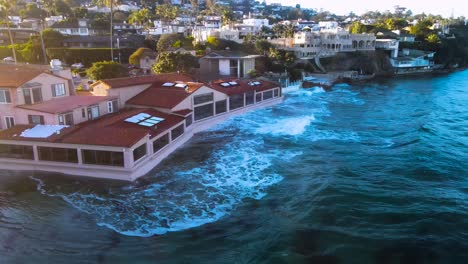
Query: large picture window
(58, 89)
(16, 151)
(93, 112)
(5, 97)
(177, 132)
(249, 97)
(188, 121)
(203, 111)
(139, 152)
(267, 95)
(32, 95)
(66, 119)
(58, 154)
(258, 97)
(276, 92)
(100, 157)
(202, 98)
(160, 143)
(236, 101)
(221, 107)
(112, 106)
(36, 119)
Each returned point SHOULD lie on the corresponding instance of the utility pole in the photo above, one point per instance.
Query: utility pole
(44, 54)
(112, 29)
(9, 34)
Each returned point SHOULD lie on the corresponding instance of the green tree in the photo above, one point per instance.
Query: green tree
(134, 59)
(213, 42)
(395, 23)
(106, 70)
(140, 17)
(80, 12)
(433, 38)
(59, 7)
(172, 62)
(8, 6)
(52, 38)
(227, 16)
(166, 12)
(166, 41)
(421, 29)
(32, 11)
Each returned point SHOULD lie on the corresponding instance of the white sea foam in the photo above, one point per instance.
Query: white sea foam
(190, 198)
(287, 126)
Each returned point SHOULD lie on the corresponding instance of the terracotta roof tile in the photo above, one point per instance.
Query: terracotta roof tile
(66, 104)
(146, 79)
(243, 86)
(164, 97)
(109, 130)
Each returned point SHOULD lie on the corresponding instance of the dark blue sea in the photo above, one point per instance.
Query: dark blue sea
(368, 173)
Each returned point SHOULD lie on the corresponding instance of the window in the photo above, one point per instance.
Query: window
(16, 151)
(36, 119)
(58, 154)
(58, 89)
(236, 101)
(176, 132)
(249, 97)
(93, 112)
(32, 95)
(139, 152)
(202, 98)
(112, 106)
(83, 113)
(188, 121)
(100, 157)
(5, 96)
(203, 111)
(160, 143)
(66, 119)
(276, 92)
(9, 121)
(267, 95)
(258, 97)
(220, 107)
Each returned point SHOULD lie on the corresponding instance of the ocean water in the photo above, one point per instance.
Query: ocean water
(370, 173)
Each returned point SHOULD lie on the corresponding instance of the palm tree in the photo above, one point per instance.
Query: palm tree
(110, 4)
(7, 5)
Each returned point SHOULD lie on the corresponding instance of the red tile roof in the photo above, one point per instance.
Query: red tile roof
(66, 104)
(13, 76)
(183, 112)
(146, 79)
(243, 86)
(109, 130)
(164, 97)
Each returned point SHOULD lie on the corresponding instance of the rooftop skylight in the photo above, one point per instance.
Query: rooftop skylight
(168, 84)
(42, 131)
(144, 119)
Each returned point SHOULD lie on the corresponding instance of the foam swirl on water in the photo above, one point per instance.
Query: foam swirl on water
(188, 195)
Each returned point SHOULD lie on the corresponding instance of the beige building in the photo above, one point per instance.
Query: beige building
(310, 44)
(31, 95)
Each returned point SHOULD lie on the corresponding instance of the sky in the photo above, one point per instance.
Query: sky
(343, 7)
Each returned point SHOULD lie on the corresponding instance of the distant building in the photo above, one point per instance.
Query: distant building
(409, 61)
(227, 63)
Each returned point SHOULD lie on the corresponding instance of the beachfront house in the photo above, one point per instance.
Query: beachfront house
(128, 143)
(30, 95)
